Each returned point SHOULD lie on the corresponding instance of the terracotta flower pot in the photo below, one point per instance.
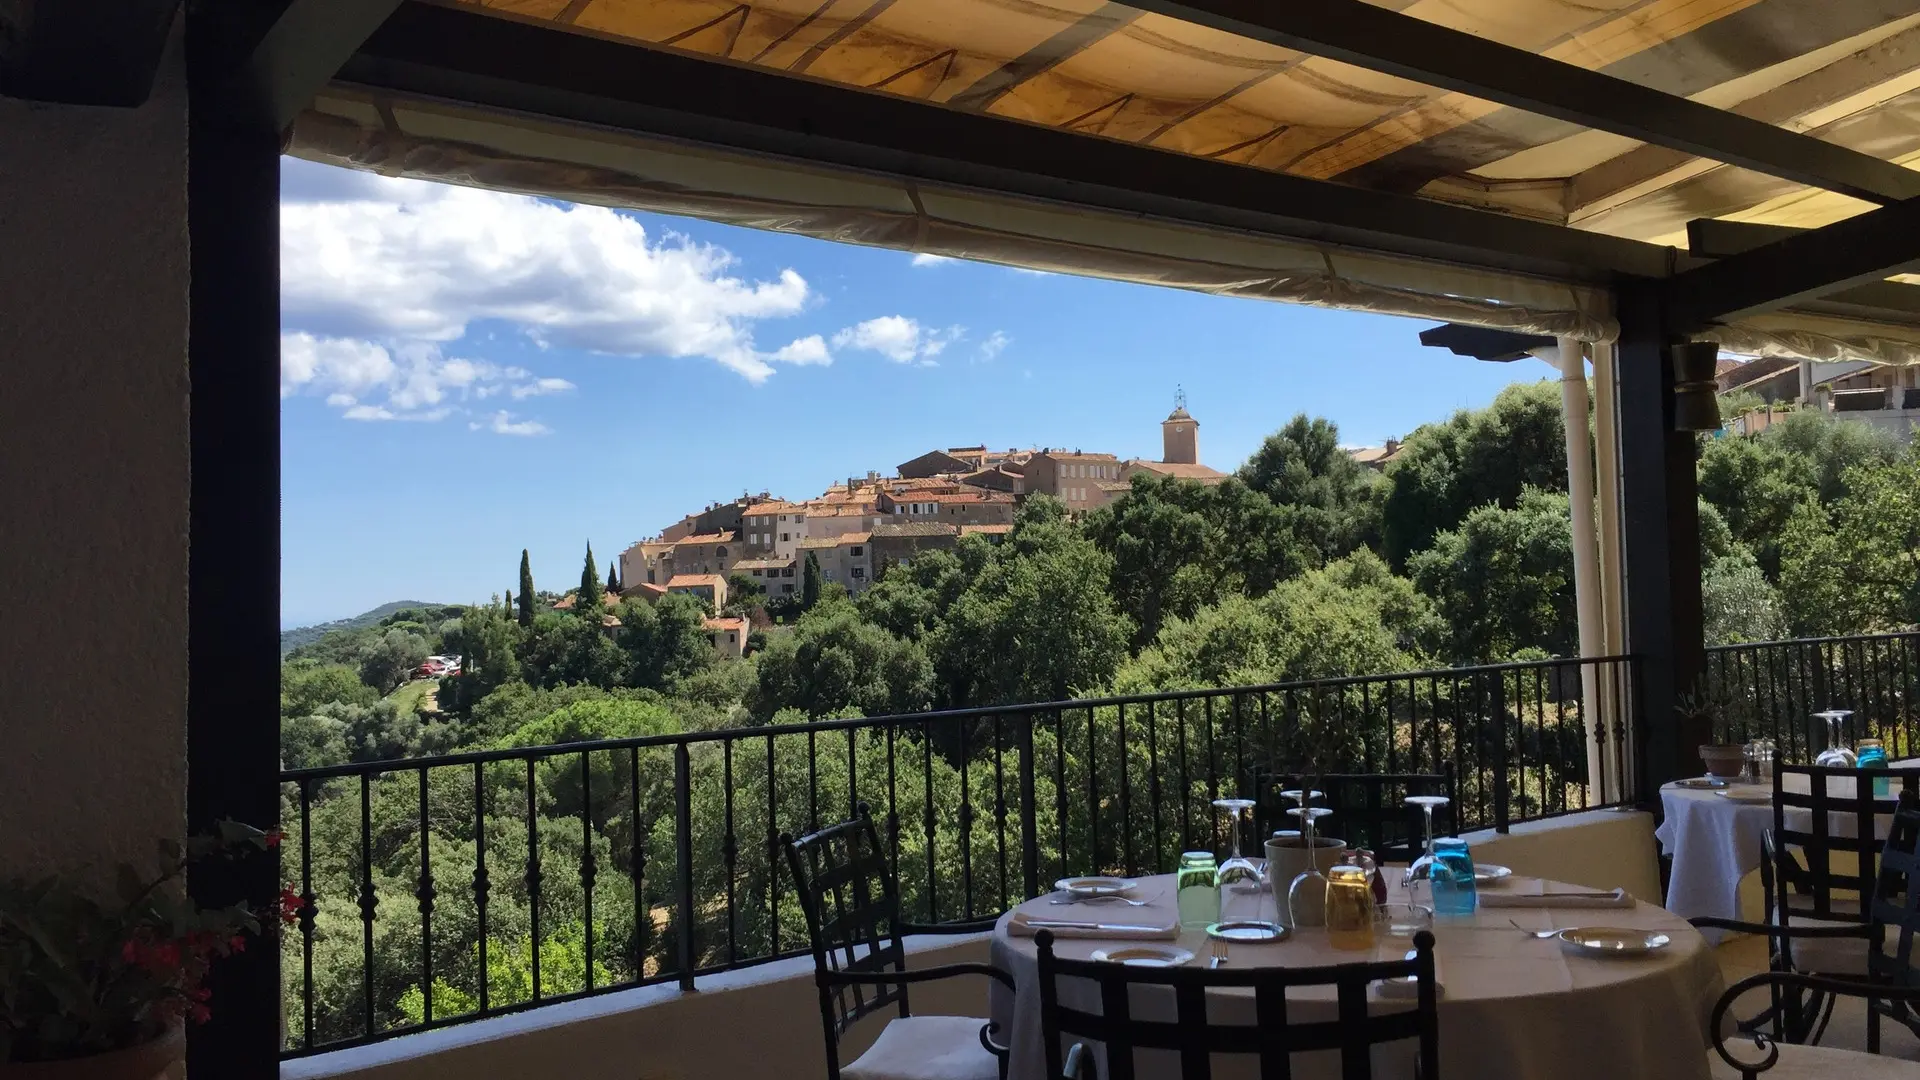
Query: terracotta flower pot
(148, 1061)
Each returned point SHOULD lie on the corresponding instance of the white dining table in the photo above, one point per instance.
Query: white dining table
(1714, 840)
(1513, 1006)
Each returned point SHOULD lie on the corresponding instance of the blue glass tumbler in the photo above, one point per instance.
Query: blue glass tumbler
(1451, 876)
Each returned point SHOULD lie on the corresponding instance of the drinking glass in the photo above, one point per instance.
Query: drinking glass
(1451, 877)
(1196, 890)
(1307, 896)
(1872, 754)
(1836, 755)
(1238, 876)
(1422, 866)
(1349, 908)
(1403, 920)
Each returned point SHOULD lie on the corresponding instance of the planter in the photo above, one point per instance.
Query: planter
(148, 1061)
(1287, 858)
(1723, 760)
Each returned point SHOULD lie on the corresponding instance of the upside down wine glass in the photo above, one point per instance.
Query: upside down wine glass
(1422, 867)
(1836, 755)
(1239, 878)
(1307, 897)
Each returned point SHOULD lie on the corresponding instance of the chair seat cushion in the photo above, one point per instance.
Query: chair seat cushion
(1814, 1063)
(927, 1048)
(1827, 956)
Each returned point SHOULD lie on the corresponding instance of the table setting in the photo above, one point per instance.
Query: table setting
(1533, 977)
(1712, 824)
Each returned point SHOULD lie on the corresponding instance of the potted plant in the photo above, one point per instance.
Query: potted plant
(99, 989)
(1320, 738)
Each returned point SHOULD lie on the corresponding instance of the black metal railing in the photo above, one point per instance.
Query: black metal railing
(1773, 688)
(438, 890)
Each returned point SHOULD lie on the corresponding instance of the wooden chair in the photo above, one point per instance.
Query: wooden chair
(1369, 810)
(852, 906)
(1272, 1038)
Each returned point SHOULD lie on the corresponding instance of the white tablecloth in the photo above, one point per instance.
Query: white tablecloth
(1715, 842)
(1513, 1007)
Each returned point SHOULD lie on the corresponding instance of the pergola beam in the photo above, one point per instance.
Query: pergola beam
(520, 66)
(1358, 33)
(274, 67)
(1807, 265)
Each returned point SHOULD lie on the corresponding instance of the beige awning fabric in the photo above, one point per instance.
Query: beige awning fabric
(1847, 72)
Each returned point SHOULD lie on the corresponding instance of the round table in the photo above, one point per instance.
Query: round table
(1715, 841)
(1513, 1007)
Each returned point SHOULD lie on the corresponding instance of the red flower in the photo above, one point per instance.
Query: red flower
(237, 943)
(199, 1014)
(290, 905)
(202, 994)
(163, 957)
(130, 951)
(272, 839)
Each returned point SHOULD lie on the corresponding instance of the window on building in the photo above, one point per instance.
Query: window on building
(857, 573)
(828, 574)
(719, 553)
(786, 588)
(784, 537)
(857, 551)
(730, 638)
(787, 571)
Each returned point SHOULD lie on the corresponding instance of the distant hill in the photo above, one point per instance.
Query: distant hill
(307, 635)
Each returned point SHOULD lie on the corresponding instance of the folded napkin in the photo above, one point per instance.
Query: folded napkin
(1138, 924)
(1616, 898)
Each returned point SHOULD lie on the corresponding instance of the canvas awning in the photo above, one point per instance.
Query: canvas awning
(830, 118)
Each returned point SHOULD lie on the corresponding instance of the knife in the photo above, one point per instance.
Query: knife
(1111, 928)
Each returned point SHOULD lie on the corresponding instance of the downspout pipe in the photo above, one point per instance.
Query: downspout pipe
(1568, 356)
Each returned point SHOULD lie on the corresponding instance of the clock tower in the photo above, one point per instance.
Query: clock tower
(1180, 434)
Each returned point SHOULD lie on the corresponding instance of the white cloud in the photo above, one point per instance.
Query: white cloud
(811, 349)
(383, 259)
(995, 344)
(926, 259)
(898, 338)
(542, 386)
(410, 381)
(503, 423)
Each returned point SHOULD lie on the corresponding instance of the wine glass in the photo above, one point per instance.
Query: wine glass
(1423, 866)
(1307, 897)
(1238, 877)
(1836, 755)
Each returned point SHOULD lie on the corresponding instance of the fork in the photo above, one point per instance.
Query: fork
(1218, 947)
(1540, 934)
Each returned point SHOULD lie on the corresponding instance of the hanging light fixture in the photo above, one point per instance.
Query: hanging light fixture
(1696, 401)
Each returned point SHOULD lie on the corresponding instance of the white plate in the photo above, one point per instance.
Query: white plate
(1486, 873)
(1095, 886)
(1143, 955)
(1613, 940)
(1748, 794)
(1251, 931)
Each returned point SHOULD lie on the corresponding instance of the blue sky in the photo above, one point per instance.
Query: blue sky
(465, 374)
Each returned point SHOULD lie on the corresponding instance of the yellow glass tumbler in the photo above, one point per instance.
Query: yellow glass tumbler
(1349, 908)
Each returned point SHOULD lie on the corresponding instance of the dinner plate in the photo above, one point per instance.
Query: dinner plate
(1747, 794)
(1613, 940)
(1095, 886)
(1701, 783)
(1251, 931)
(1485, 873)
(1143, 955)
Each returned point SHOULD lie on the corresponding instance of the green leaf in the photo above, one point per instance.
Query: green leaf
(129, 884)
(170, 850)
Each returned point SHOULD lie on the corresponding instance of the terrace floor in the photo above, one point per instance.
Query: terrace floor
(1743, 956)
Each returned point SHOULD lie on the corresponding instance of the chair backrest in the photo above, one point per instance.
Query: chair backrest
(1842, 810)
(1369, 809)
(1273, 1037)
(1895, 909)
(852, 908)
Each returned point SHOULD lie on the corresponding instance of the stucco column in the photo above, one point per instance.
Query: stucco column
(94, 475)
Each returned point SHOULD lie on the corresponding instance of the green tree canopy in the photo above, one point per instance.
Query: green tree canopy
(1855, 568)
(665, 641)
(833, 660)
(1503, 579)
(526, 589)
(810, 582)
(587, 603)
(1331, 501)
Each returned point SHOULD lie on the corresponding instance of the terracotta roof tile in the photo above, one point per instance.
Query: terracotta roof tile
(679, 581)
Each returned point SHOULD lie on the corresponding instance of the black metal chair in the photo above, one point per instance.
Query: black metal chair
(1825, 873)
(1780, 1060)
(1369, 809)
(1272, 1038)
(852, 906)
(1799, 1012)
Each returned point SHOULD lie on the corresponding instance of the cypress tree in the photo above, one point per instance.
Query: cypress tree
(506, 604)
(810, 583)
(613, 577)
(526, 589)
(589, 586)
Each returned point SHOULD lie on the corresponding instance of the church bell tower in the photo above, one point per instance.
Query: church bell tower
(1180, 434)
